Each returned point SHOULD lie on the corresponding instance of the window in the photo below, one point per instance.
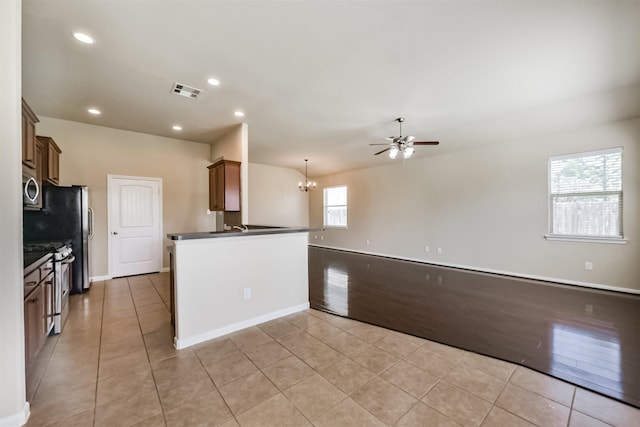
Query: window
(335, 207)
(585, 192)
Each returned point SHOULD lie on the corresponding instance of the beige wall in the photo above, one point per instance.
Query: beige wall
(229, 146)
(487, 209)
(13, 406)
(90, 152)
(234, 145)
(274, 197)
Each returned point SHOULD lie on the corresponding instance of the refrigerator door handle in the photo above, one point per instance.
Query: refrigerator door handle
(90, 223)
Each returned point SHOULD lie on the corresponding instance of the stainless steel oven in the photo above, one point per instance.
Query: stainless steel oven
(62, 267)
(62, 270)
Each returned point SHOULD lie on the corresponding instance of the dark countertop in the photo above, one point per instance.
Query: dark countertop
(236, 233)
(34, 259)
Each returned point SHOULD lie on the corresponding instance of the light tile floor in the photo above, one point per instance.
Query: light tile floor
(115, 365)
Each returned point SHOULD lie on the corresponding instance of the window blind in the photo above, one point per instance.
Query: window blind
(586, 194)
(335, 206)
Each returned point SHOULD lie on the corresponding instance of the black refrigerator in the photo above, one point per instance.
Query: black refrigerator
(65, 215)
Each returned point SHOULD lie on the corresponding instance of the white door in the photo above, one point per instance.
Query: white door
(135, 241)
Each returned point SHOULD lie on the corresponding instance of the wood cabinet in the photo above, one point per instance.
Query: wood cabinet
(34, 311)
(38, 308)
(29, 121)
(224, 186)
(39, 159)
(50, 163)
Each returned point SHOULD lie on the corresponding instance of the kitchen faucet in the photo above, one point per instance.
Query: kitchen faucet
(241, 227)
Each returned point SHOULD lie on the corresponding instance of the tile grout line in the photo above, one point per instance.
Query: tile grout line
(155, 385)
(379, 375)
(269, 379)
(215, 386)
(346, 396)
(95, 406)
(573, 398)
(440, 379)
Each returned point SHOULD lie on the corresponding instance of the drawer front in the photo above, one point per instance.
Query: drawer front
(32, 278)
(46, 269)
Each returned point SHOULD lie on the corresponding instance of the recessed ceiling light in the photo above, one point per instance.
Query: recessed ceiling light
(238, 114)
(177, 127)
(94, 111)
(84, 38)
(213, 82)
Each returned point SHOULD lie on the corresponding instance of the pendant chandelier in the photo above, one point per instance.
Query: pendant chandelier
(308, 185)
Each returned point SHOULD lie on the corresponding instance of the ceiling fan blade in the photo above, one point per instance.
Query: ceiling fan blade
(380, 152)
(426, 143)
(409, 138)
(385, 143)
(391, 138)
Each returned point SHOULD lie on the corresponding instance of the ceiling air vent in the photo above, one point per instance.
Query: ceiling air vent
(184, 90)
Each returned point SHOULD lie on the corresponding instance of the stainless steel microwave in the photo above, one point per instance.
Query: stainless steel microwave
(30, 191)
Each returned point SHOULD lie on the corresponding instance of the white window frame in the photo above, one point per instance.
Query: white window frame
(325, 206)
(584, 238)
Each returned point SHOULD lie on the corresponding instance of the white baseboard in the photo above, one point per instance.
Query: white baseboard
(490, 270)
(17, 420)
(99, 278)
(188, 342)
(164, 270)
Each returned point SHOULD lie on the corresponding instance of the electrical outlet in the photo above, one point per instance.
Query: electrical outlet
(315, 236)
(439, 250)
(321, 237)
(247, 293)
(208, 212)
(368, 242)
(588, 265)
(426, 248)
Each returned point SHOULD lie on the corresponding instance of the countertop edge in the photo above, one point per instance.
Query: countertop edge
(31, 263)
(218, 234)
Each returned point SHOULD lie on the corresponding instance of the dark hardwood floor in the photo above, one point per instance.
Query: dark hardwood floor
(585, 336)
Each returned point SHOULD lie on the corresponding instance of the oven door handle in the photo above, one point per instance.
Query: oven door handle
(68, 260)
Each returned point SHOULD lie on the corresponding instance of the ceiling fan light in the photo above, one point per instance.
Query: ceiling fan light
(407, 152)
(393, 152)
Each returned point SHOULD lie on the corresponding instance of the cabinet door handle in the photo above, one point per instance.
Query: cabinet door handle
(30, 283)
(33, 301)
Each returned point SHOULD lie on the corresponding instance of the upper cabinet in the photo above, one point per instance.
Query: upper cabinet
(29, 121)
(224, 186)
(50, 166)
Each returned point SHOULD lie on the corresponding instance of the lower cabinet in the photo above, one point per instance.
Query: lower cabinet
(38, 308)
(35, 311)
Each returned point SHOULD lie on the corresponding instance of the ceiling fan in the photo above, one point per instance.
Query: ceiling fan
(403, 144)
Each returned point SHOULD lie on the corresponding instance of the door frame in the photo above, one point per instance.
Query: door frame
(110, 178)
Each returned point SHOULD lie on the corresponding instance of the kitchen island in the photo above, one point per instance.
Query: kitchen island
(226, 281)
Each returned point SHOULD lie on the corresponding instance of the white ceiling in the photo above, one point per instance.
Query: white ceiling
(323, 79)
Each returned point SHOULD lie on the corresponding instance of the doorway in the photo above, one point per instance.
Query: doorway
(134, 206)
